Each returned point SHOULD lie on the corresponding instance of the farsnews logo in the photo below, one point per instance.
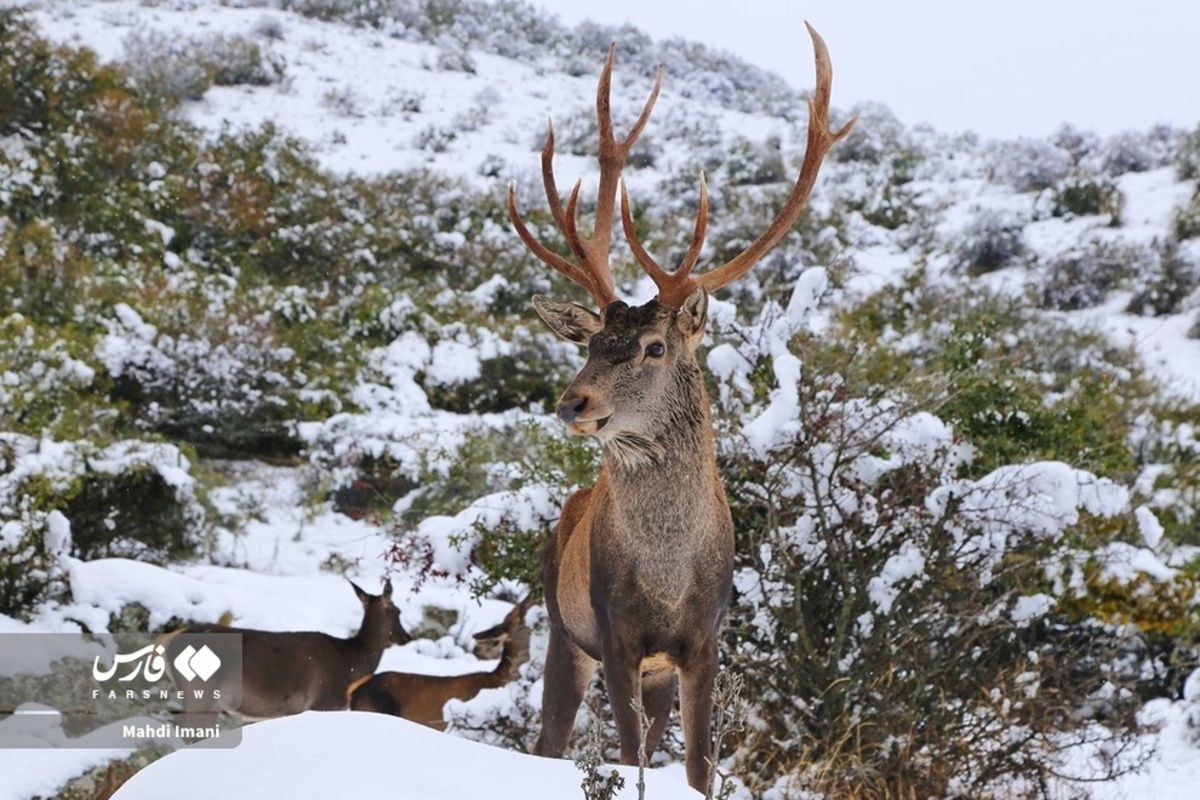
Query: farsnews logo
(102, 690)
(149, 663)
(192, 663)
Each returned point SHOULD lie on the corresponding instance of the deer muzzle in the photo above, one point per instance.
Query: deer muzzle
(582, 415)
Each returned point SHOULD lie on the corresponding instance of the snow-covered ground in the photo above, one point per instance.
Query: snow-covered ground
(345, 92)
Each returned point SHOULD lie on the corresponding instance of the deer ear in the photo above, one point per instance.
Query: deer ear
(363, 597)
(570, 321)
(693, 314)
(387, 590)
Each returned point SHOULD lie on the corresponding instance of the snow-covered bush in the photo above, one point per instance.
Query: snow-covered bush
(899, 612)
(230, 387)
(878, 138)
(993, 240)
(46, 382)
(1078, 143)
(751, 163)
(1187, 156)
(1187, 218)
(1084, 277)
(58, 499)
(178, 69)
(1165, 288)
(40, 84)
(1133, 151)
(453, 57)
(1029, 165)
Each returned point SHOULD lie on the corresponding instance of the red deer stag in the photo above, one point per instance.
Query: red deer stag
(288, 672)
(420, 698)
(638, 573)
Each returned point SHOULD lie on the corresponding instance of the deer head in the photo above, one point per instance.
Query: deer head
(639, 357)
(511, 635)
(421, 698)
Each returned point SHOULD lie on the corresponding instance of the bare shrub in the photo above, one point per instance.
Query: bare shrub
(1084, 278)
(184, 68)
(994, 240)
(1029, 165)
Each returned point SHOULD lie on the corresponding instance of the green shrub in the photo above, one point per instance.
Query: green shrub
(50, 386)
(1186, 221)
(1089, 197)
(1164, 289)
(43, 86)
(1016, 386)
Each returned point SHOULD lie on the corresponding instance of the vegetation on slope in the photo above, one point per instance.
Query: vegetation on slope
(166, 297)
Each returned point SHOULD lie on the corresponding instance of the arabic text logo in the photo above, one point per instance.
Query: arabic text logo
(149, 657)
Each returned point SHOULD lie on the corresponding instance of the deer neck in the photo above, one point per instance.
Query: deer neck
(681, 442)
(366, 647)
(511, 659)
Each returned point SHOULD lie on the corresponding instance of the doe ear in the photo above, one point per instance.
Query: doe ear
(570, 321)
(363, 597)
(693, 314)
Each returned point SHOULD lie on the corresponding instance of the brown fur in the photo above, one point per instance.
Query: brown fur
(639, 572)
(640, 569)
(288, 672)
(421, 698)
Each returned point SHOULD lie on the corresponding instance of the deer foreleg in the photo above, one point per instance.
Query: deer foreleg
(568, 673)
(696, 706)
(622, 676)
(658, 694)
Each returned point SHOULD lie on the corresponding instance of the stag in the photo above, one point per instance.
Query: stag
(292, 671)
(639, 570)
(420, 698)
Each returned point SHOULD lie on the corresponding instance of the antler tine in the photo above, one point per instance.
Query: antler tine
(820, 138)
(673, 287)
(543, 253)
(657, 274)
(593, 271)
(613, 153)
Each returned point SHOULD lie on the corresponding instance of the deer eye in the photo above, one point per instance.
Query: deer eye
(655, 350)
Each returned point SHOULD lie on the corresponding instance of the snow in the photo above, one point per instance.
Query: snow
(368, 756)
(883, 589)
(1042, 497)
(1148, 526)
(274, 574)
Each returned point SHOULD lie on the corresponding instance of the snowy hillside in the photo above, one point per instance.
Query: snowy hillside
(264, 326)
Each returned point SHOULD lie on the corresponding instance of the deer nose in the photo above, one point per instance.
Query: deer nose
(569, 408)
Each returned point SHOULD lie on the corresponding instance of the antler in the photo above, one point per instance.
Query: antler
(674, 287)
(592, 270)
